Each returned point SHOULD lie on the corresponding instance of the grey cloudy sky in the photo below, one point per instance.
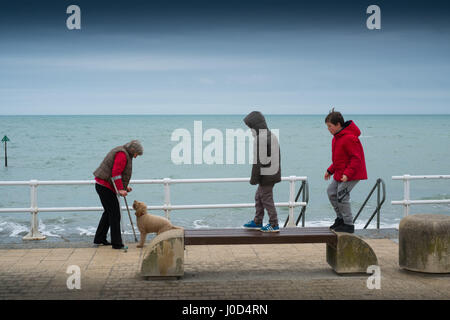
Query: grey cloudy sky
(183, 57)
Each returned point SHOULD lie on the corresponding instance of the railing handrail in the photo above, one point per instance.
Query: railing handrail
(406, 202)
(167, 206)
(409, 177)
(144, 181)
(163, 207)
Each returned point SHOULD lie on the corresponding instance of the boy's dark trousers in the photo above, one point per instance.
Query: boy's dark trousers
(264, 200)
(110, 217)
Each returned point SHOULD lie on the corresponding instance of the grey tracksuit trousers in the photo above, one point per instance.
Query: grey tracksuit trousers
(264, 200)
(339, 195)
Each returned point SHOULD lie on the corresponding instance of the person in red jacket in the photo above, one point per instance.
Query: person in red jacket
(115, 168)
(348, 168)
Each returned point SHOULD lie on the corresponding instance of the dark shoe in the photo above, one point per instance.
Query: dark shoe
(349, 228)
(337, 222)
(118, 246)
(104, 242)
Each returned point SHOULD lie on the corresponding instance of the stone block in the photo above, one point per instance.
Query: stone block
(424, 243)
(164, 255)
(351, 254)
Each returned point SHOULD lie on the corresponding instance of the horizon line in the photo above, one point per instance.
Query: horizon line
(226, 114)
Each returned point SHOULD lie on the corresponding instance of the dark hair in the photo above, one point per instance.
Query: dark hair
(335, 117)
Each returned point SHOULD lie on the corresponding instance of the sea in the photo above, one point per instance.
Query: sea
(72, 147)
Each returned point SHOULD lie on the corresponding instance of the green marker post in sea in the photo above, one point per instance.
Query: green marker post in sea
(5, 140)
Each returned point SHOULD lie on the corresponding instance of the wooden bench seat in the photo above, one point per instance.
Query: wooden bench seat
(164, 256)
(246, 236)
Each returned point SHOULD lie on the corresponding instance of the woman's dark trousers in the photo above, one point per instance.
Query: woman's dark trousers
(110, 217)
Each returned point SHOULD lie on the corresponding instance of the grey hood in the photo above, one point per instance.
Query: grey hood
(262, 173)
(255, 120)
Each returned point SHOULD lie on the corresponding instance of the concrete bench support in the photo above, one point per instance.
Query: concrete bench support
(164, 256)
(424, 243)
(350, 255)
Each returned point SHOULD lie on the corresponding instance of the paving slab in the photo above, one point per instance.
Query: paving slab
(291, 271)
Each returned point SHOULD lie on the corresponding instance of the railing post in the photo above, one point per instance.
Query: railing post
(291, 222)
(305, 187)
(406, 194)
(378, 203)
(34, 233)
(167, 196)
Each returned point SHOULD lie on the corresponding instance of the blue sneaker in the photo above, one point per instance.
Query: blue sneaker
(270, 228)
(253, 225)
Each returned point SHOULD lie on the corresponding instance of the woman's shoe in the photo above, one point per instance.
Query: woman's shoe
(104, 242)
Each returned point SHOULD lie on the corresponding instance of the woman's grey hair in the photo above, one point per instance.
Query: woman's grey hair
(134, 146)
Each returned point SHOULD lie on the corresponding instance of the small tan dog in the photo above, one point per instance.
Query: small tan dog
(148, 223)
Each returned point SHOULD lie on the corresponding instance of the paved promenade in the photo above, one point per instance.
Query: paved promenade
(287, 271)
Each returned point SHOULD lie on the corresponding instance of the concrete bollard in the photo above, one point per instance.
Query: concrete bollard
(424, 243)
(164, 256)
(351, 254)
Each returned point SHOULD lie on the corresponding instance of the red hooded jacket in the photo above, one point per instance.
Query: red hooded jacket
(348, 154)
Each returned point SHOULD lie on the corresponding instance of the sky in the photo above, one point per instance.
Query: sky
(224, 57)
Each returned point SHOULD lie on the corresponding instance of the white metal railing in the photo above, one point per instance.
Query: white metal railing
(407, 202)
(34, 233)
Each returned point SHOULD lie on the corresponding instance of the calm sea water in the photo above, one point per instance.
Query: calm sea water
(71, 148)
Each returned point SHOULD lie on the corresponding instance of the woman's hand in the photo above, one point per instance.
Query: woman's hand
(344, 178)
(123, 193)
(327, 176)
(129, 189)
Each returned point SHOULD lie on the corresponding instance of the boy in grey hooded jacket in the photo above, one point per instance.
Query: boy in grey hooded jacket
(266, 171)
